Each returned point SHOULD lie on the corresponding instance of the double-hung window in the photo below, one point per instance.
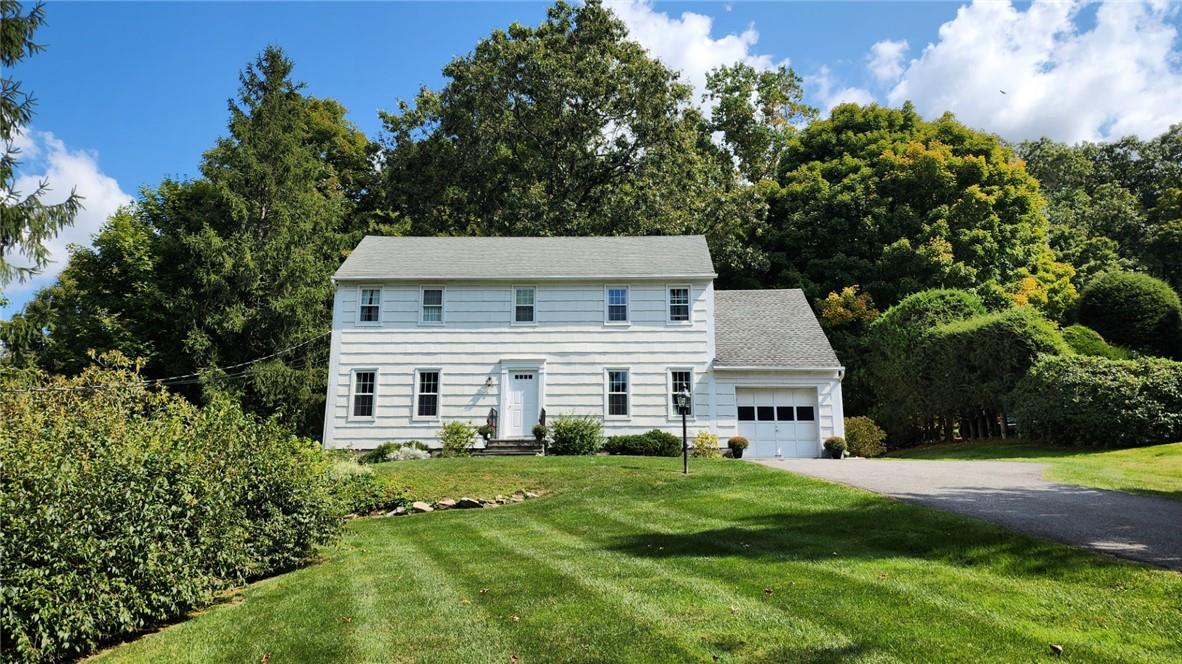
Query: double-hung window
(617, 304)
(427, 394)
(370, 305)
(679, 304)
(432, 305)
(524, 304)
(364, 389)
(679, 380)
(617, 392)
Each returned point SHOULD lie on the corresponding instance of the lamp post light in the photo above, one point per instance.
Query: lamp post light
(683, 405)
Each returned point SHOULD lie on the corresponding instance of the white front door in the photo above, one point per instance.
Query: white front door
(521, 413)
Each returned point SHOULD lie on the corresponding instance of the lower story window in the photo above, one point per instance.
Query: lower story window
(364, 383)
(617, 392)
(680, 380)
(428, 405)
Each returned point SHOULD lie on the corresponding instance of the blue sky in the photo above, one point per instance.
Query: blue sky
(130, 93)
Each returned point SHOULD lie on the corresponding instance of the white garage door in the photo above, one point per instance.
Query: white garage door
(779, 422)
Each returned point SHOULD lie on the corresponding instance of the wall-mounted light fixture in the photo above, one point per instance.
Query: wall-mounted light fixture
(488, 383)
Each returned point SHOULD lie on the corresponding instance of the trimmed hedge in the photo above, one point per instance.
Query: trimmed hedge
(123, 508)
(572, 434)
(1086, 341)
(1134, 310)
(650, 443)
(1093, 401)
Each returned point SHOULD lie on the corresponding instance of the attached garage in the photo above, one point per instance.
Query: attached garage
(776, 380)
(779, 422)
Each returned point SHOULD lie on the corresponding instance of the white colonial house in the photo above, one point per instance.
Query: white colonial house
(427, 330)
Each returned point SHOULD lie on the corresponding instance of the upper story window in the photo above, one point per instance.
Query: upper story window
(370, 305)
(364, 389)
(432, 305)
(679, 304)
(617, 304)
(617, 392)
(427, 394)
(524, 304)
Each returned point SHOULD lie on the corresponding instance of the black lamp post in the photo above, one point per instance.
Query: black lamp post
(683, 405)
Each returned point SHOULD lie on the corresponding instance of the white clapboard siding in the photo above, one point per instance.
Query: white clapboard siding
(570, 335)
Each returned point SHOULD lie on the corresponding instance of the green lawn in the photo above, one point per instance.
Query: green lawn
(626, 560)
(1154, 470)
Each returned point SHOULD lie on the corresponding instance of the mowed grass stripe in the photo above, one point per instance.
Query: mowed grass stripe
(718, 617)
(551, 613)
(613, 589)
(441, 624)
(988, 618)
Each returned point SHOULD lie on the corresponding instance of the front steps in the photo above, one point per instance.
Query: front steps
(509, 447)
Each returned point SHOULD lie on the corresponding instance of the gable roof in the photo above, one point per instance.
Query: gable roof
(528, 258)
(769, 328)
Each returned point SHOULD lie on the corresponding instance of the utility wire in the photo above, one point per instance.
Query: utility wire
(183, 379)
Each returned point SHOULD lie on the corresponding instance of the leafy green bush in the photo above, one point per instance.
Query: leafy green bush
(576, 435)
(835, 447)
(902, 395)
(360, 491)
(1135, 311)
(1086, 341)
(974, 364)
(737, 443)
(705, 445)
(127, 507)
(540, 432)
(650, 443)
(1093, 401)
(864, 437)
(486, 431)
(457, 439)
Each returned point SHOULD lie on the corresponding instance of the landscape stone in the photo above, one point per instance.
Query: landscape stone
(397, 511)
(445, 504)
(420, 506)
(530, 494)
(467, 503)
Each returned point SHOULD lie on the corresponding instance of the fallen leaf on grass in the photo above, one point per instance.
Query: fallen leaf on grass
(515, 617)
(483, 591)
(734, 610)
(768, 590)
(347, 619)
(1057, 650)
(514, 658)
(465, 601)
(265, 658)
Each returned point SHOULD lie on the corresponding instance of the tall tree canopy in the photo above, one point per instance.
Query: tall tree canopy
(1113, 206)
(567, 128)
(880, 198)
(226, 268)
(26, 221)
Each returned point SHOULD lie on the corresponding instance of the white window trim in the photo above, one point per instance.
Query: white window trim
(442, 304)
(669, 305)
(607, 305)
(607, 391)
(414, 412)
(673, 414)
(513, 306)
(381, 303)
(352, 417)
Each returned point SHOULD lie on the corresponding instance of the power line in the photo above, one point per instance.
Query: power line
(183, 379)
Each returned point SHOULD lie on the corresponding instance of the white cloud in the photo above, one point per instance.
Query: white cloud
(685, 43)
(830, 93)
(885, 60)
(45, 157)
(1119, 77)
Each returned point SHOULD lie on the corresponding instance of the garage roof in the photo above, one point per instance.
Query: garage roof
(528, 258)
(769, 328)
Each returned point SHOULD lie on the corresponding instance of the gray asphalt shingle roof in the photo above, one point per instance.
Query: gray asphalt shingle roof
(440, 258)
(768, 328)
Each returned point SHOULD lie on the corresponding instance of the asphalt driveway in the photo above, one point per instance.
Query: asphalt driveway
(1015, 495)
